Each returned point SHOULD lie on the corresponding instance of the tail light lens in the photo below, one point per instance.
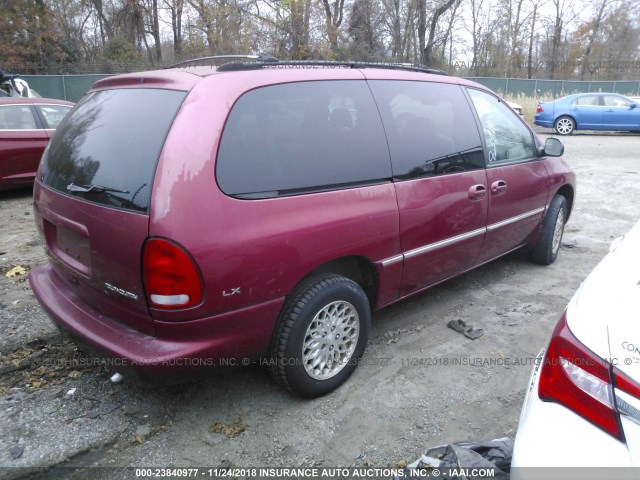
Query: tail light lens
(540, 110)
(574, 376)
(171, 276)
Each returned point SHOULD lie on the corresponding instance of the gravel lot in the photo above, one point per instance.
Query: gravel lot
(421, 384)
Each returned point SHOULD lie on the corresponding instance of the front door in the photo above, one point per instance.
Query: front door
(618, 114)
(517, 179)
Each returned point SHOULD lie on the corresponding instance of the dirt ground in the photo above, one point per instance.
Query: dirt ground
(421, 384)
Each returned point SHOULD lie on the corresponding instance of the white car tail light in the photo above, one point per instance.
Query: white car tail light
(574, 376)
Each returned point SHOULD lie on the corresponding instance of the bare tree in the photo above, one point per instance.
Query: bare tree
(333, 11)
(393, 19)
(176, 8)
(532, 36)
(595, 26)
(426, 45)
(482, 29)
(300, 34)
(448, 37)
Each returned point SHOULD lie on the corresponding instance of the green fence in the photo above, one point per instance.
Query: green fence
(73, 87)
(555, 88)
(64, 87)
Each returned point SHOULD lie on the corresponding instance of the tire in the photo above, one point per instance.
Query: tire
(314, 304)
(564, 125)
(546, 249)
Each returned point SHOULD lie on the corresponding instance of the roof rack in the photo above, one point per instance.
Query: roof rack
(259, 58)
(256, 62)
(274, 63)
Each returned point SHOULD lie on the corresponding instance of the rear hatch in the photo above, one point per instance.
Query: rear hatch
(93, 193)
(606, 310)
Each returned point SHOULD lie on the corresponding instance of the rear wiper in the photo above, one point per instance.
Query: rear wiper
(92, 188)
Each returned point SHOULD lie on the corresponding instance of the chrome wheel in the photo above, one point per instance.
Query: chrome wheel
(330, 340)
(557, 232)
(564, 126)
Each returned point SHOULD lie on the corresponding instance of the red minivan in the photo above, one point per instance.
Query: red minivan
(202, 216)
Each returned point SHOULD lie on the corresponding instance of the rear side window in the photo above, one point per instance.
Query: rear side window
(430, 126)
(301, 137)
(587, 100)
(110, 144)
(53, 114)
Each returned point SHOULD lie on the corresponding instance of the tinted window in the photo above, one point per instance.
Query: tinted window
(587, 100)
(112, 139)
(506, 137)
(17, 117)
(430, 127)
(53, 114)
(285, 139)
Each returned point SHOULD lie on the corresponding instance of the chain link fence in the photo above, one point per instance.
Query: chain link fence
(63, 87)
(555, 88)
(73, 87)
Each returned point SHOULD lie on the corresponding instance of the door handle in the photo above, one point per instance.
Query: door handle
(476, 192)
(499, 187)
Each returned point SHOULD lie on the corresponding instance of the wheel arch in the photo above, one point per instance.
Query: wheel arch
(575, 122)
(568, 193)
(356, 268)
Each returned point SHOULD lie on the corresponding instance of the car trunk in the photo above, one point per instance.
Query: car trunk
(96, 251)
(93, 194)
(608, 305)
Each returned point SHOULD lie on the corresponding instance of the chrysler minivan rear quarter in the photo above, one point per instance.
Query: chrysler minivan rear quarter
(201, 216)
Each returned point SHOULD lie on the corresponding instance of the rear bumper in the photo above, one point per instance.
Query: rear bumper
(179, 349)
(541, 122)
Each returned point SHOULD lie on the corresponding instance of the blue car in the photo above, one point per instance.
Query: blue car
(589, 111)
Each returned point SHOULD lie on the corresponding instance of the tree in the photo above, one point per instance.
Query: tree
(426, 46)
(594, 26)
(364, 26)
(482, 29)
(29, 37)
(333, 12)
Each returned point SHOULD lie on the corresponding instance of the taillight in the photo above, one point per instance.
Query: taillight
(540, 110)
(574, 376)
(171, 276)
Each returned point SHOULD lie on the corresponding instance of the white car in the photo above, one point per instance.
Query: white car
(516, 107)
(17, 88)
(582, 408)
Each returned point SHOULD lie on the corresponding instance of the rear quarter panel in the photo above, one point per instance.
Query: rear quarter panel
(261, 248)
(20, 152)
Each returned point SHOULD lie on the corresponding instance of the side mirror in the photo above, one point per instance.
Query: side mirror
(553, 147)
(633, 105)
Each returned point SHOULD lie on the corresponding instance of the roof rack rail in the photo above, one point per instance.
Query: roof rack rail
(258, 64)
(259, 58)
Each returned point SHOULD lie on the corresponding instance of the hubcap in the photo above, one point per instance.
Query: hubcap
(557, 232)
(330, 340)
(565, 126)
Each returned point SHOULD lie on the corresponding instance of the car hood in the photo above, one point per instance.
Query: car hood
(604, 314)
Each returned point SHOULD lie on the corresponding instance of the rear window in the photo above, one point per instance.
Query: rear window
(109, 144)
(302, 137)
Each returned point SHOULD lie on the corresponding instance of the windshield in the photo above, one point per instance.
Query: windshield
(112, 139)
